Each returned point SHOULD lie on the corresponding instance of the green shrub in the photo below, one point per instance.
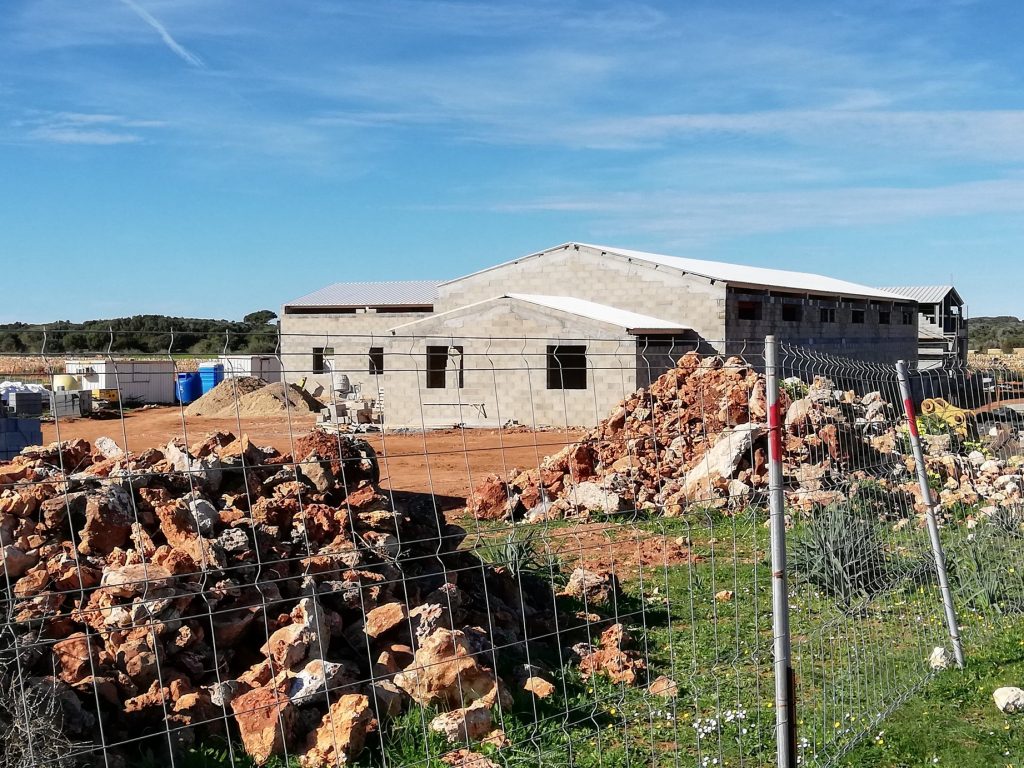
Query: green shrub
(794, 388)
(843, 554)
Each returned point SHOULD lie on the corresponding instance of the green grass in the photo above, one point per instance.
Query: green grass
(954, 722)
(854, 662)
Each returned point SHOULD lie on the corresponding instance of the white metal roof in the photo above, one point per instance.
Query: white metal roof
(374, 294)
(741, 275)
(602, 313)
(621, 318)
(756, 277)
(923, 294)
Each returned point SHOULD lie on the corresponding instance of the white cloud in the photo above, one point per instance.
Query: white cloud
(87, 128)
(997, 133)
(69, 135)
(186, 55)
(705, 217)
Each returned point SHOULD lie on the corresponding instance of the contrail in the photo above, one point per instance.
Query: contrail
(173, 44)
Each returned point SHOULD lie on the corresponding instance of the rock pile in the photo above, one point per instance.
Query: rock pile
(225, 587)
(698, 436)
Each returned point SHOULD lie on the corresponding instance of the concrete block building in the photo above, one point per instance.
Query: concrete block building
(941, 324)
(342, 329)
(557, 337)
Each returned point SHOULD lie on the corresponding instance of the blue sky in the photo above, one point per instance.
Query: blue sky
(212, 157)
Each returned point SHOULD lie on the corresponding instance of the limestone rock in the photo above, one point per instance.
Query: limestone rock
(445, 671)
(940, 658)
(664, 686)
(464, 724)
(490, 499)
(108, 521)
(266, 720)
(14, 562)
(341, 734)
(1009, 699)
(591, 587)
(385, 618)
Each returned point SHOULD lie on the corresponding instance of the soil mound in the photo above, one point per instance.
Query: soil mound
(274, 399)
(224, 395)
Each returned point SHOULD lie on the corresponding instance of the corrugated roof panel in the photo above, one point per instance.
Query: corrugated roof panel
(371, 294)
(924, 294)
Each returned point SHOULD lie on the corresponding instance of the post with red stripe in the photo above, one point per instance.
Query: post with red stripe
(952, 623)
(785, 680)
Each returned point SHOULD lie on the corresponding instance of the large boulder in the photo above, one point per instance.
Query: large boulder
(714, 470)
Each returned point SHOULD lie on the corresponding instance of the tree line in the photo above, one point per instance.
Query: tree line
(144, 334)
(1003, 332)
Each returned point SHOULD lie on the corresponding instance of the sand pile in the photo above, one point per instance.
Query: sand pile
(224, 395)
(248, 396)
(276, 398)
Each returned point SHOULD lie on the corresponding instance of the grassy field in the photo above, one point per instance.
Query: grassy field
(954, 721)
(701, 614)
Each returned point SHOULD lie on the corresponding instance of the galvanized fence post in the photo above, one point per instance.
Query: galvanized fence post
(952, 623)
(785, 679)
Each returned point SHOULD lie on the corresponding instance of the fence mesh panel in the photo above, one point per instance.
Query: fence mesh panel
(483, 551)
(865, 605)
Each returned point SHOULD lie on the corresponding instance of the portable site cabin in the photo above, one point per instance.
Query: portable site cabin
(266, 367)
(148, 381)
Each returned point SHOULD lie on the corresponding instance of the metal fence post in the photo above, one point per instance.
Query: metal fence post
(785, 679)
(933, 526)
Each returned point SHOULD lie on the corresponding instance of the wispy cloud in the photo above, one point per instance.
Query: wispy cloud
(98, 129)
(69, 135)
(700, 218)
(183, 53)
(998, 133)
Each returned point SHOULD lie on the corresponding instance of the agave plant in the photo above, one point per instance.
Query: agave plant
(842, 553)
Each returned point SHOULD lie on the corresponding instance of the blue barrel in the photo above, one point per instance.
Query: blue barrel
(188, 387)
(210, 375)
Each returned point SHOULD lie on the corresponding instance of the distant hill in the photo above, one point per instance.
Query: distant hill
(144, 334)
(1003, 332)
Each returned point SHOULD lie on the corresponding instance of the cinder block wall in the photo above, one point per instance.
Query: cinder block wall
(869, 341)
(350, 335)
(505, 370)
(692, 301)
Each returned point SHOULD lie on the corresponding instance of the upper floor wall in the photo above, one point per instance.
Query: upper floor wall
(587, 273)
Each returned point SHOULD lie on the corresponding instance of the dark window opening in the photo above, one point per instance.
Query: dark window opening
(908, 318)
(657, 354)
(792, 313)
(884, 317)
(376, 360)
(748, 310)
(437, 366)
(323, 361)
(567, 366)
(828, 315)
(858, 317)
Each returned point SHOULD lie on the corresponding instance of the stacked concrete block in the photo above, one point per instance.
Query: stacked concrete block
(16, 434)
(691, 300)
(504, 369)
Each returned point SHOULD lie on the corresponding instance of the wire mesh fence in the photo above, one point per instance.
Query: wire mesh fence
(416, 550)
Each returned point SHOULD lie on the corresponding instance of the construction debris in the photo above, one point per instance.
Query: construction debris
(224, 585)
(698, 437)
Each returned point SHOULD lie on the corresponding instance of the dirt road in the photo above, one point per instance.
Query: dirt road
(445, 462)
